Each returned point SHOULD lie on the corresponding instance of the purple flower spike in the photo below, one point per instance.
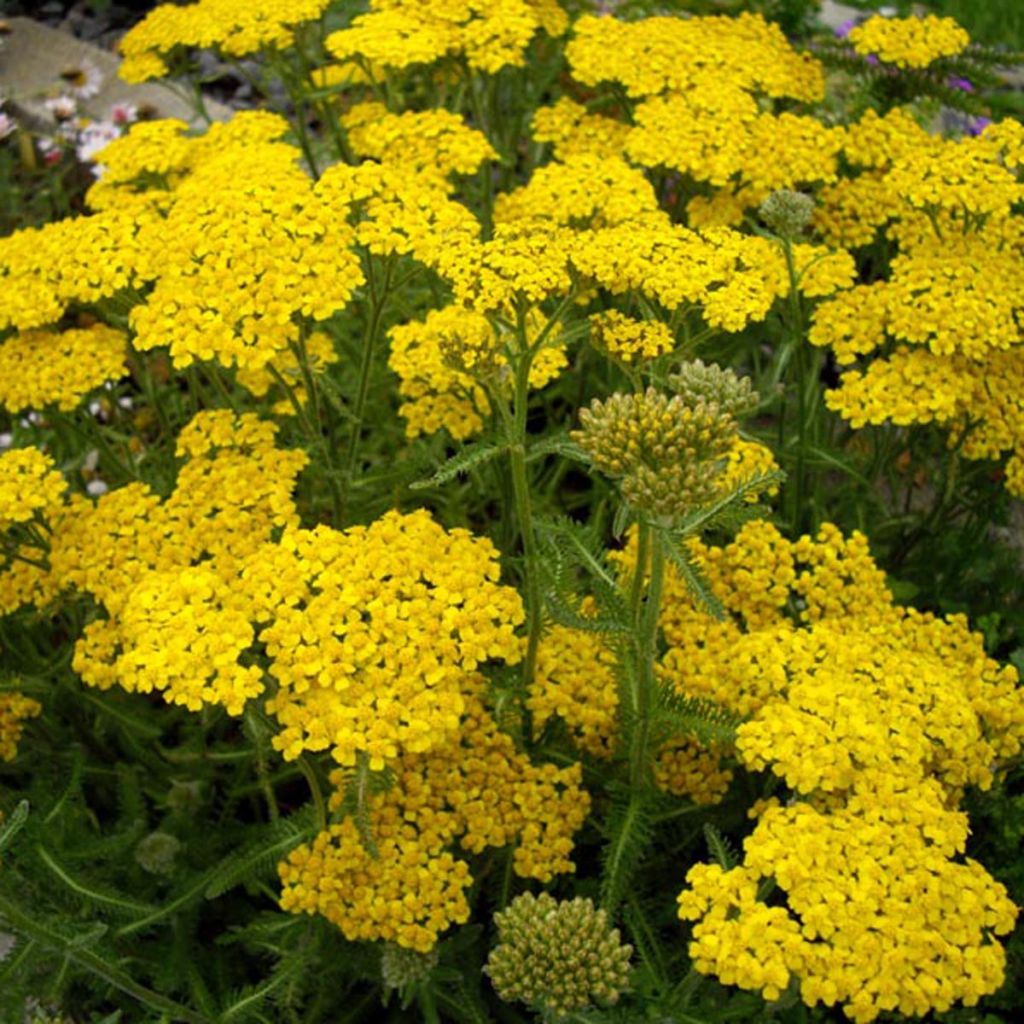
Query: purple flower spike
(844, 30)
(963, 84)
(978, 125)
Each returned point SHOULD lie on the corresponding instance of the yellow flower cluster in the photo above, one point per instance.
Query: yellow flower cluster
(628, 339)
(41, 368)
(576, 680)
(876, 717)
(247, 246)
(487, 34)
(435, 142)
(30, 485)
(235, 27)
(400, 212)
(15, 710)
(685, 768)
(682, 55)
(433, 359)
(878, 917)
(476, 791)
(78, 260)
(159, 154)
(572, 131)
(165, 572)
(909, 42)
(939, 337)
(371, 633)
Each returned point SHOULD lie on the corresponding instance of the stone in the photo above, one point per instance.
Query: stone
(33, 57)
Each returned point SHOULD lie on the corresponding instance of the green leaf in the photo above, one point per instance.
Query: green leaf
(470, 457)
(679, 715)
(720, 848)
(13, 824)
(695, 580)
(259, 858)
(559, 444)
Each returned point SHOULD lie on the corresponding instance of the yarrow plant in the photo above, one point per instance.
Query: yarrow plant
(509, 528)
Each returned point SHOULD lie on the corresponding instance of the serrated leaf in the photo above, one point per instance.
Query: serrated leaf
(560, 444)
(720, 848)
(470, 457)
(695, 580)
(13, 824)
(704, 720)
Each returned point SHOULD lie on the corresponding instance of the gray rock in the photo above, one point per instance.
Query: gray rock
(33, 57)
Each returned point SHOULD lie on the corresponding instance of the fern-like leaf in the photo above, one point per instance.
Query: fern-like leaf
(259, 859)
(471, 456)
(695, 580)
(720, 848)
(13, 824)
(631, 833)
(679, 715)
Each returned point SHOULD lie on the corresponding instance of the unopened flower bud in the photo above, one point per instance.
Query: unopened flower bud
(787, 213)
(557, 956)
(156, 852)
(400, 967)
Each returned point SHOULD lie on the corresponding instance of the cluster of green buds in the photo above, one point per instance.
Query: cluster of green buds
(557, 957)
(400, 967)
(698, 382)
(787, 213)
(666, 452)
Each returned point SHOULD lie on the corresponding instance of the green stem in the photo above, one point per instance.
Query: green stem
(646, 656)
(378, 300)
(522, 498)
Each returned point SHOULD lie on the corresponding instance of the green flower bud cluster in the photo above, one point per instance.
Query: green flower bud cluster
(787, 213)
(557, 956)
(667, 452)
(400, 967)
(697, 382)
(156, 852)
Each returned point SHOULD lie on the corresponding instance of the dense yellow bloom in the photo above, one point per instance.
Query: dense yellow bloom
(628, 339)
(30, 484)
(235, 27)
(727, 140)
(166, 571)
(576, 680)
(685, 768)
(584, 190)
(434, 142)
(684, 55)
(40, 368)
(79, 260)
(877, 716)
(573, 132)
(248, 245)
(909, 42)
(474, 790)
(878, 916)
(371, 633)
(489, 34)
(159, 154)
(15, 709)
(400, 212)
